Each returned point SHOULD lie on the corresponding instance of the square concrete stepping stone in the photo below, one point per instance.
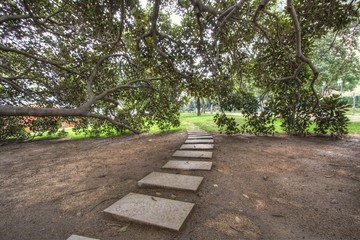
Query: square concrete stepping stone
(194, 141)
(197, 146)
(200, 137)
(188, 165)
(195, 133)
(198, 133)
(150, 210)
(169, 180)
(192, 154)
(77, 237)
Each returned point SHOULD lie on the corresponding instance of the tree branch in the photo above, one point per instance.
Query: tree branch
(127, 85)
(109, 119)
(154, 33)
(82, 111)
(56, 64)
(11, 83)
(260, 7)
(6, 110)
(121, 27)
(295, 75)
(6, 18)
(277, 23)
(228, 15)
(197, 4)
(10, 80)
(299, 54)
(95, 71)
(32, 16)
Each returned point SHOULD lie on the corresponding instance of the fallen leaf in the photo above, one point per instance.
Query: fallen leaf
(246, 196)
(215, 185)
(173, 196)
(237, 219)
(124, 228)
(158, 194)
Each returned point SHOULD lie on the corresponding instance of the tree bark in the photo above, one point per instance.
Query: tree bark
(62, 112)
(198, 106)
(203, 105)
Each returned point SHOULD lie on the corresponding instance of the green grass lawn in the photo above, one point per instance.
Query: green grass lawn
(351, 111)
(354, 127)
(73, 135)
(205, 122)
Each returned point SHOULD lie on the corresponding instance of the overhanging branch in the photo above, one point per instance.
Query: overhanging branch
(229, 13)
(299, 54)
(41, 59)
(261, 7)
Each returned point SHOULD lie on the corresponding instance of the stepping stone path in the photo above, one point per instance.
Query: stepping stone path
(151, 210)
(192, 154)
(199, 134)
(169, 180)
(188, 165)
(200, 137)
(77, 237)
(166, 213)
(197, 146)
(199, 141)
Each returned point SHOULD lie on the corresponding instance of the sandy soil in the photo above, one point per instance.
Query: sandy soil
(260, 188)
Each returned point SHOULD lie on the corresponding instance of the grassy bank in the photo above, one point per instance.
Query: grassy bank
(205, 121)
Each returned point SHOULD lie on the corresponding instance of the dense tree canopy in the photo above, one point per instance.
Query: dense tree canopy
(337, 57)
(129, 65)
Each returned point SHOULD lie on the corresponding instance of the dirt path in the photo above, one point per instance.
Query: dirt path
(260, 188)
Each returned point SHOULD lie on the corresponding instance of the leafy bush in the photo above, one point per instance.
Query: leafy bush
(259, 124)
(226, 124)
(255, 122)
(330, 116)
(21, 128)
(295, 109)
(39, 126)
(12, 128)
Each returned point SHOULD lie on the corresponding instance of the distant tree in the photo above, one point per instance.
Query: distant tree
(337, 56)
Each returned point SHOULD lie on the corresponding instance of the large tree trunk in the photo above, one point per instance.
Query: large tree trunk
(40, 112)
(58, 112)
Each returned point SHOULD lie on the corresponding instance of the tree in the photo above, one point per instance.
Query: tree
(117, 62)
(336, 56)
(75, 59)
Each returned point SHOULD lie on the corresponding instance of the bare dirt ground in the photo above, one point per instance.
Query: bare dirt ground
(260, 188)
